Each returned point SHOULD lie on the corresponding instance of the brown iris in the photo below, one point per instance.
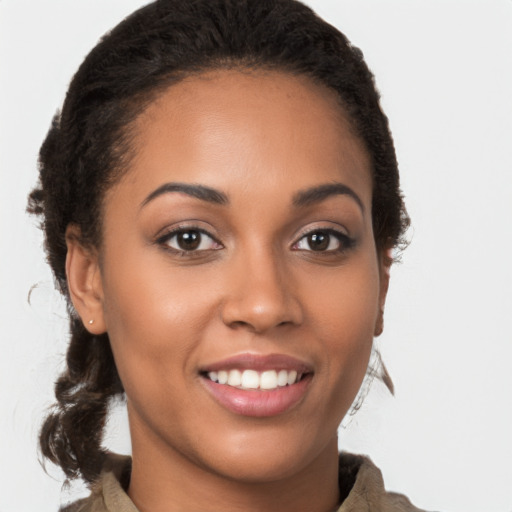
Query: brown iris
(188, 240)
(319, 241)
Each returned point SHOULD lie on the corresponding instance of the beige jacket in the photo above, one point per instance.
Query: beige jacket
(367, 494)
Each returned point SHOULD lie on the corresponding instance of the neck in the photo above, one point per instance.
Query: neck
(165, 480)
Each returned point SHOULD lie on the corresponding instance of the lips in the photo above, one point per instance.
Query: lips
(255, 385)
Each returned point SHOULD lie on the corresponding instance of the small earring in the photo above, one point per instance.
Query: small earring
(91, 322)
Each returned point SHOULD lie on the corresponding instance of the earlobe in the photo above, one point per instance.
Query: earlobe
(379, 324)
(385, 260)
(84, 282)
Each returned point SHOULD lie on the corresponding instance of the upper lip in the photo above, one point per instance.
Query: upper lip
(259, 362)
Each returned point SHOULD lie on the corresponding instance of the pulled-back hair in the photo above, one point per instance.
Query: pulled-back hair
(88, 148)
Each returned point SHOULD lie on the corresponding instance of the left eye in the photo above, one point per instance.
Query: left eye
(190, 240)
(320, 241)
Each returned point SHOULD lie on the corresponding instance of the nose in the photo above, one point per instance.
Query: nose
(260, 295)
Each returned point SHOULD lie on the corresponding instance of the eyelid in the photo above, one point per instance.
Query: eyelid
(345, 240)
(168, 233)
(330, 227)
(184, 225)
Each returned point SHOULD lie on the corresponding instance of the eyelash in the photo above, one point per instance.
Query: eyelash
(345, 242)
(167, 237)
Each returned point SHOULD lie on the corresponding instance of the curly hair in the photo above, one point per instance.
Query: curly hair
(88, 147)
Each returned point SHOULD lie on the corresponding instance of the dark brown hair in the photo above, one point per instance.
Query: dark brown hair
(88, 148)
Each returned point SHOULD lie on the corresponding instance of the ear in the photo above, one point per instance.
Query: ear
(385, 259)
(84, 281)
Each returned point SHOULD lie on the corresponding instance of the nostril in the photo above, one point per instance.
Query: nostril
(240, 324)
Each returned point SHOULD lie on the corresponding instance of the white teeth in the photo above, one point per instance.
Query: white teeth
(235, 378)
(292, 377)
(268, 380)
(251, 379)
(282, 378)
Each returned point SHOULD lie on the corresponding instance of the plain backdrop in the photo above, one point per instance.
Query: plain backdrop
(444, 70)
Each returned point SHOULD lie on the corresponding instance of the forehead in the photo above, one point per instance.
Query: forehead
(230, 127)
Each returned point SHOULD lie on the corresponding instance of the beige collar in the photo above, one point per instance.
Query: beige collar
(366, 495)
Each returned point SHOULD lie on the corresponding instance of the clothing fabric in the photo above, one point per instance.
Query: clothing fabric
(366, 494)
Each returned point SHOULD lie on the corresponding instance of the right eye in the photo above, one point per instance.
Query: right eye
(326, 241)
(188, 240)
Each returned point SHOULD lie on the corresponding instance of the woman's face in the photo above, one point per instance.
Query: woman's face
(240, 283)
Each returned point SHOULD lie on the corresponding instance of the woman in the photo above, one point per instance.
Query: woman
(220, 200)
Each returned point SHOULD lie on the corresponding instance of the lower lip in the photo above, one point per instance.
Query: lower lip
(258, 403)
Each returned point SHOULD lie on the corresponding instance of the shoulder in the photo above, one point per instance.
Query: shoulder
(83, 505)
(108, 494)
(367, 493)
(360, 481)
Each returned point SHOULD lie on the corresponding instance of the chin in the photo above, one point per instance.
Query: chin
(268, 457)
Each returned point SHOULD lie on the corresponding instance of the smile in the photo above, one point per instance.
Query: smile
(252, 379)
(258, 385)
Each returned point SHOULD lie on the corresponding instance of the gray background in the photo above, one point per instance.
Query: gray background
(444, 71)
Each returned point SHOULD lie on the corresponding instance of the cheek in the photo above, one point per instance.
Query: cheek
(154, 319)
(344, 316)
(154, 325)
(344, 304)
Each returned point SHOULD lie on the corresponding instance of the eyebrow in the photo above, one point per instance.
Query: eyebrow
(302, 198)
(321, 192)
(207, 194)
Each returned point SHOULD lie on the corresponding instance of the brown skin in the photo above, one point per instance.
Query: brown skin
(255, 286)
